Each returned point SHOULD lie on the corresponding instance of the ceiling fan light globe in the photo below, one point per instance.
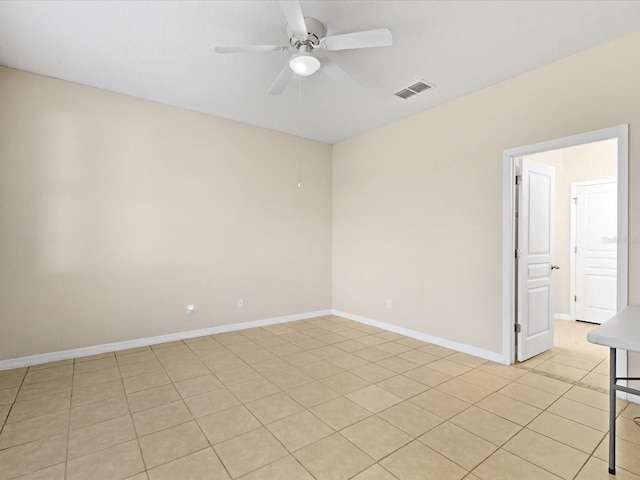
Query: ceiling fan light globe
(304, 64)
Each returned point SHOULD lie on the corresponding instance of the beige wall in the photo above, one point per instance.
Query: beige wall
(593, 161)
(417, 205)
(115, 213)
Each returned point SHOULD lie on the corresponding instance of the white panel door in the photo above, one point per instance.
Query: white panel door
(535, 257)
(596, 251)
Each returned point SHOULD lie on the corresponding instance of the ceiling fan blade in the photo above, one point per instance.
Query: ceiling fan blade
(293, 13)
(251, 49)
(282, 80)
(337, 73)
(366, 39)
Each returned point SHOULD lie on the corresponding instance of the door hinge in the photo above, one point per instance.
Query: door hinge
(575, 200)
(575, 249)
(518, 179)
(518, 328)
(516, 253)
(575, 298)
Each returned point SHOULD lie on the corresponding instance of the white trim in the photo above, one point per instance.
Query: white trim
(144, 342)
(573, 240)
(621, 133)
(562, 316)
(425, 337)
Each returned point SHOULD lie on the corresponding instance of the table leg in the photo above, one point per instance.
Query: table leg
(612, 411)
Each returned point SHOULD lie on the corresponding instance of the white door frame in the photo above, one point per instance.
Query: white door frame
(621, 133)
(573, 240)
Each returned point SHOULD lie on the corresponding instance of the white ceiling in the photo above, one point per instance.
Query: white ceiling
(163, 51)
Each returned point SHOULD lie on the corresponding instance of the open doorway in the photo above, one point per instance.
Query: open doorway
(617, 138)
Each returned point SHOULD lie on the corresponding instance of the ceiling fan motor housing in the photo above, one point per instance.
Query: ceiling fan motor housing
(315, 31)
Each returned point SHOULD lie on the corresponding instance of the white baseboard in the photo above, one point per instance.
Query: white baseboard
(425, 337)
(144, 342)
(562, 316)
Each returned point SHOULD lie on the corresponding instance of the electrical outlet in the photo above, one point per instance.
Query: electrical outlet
(191, 309)
(389, 304)
(240, 303)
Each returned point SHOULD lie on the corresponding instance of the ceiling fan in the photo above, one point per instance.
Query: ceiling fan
(306, 36)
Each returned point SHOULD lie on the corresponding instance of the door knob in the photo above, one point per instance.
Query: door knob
(555, 267)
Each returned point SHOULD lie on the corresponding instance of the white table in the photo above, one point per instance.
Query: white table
(621, 331)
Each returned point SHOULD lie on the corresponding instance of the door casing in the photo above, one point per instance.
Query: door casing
(621, 133)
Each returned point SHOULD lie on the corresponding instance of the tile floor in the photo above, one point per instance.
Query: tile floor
(325, 399)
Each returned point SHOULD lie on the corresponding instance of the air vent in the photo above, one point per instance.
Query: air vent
(411, 90)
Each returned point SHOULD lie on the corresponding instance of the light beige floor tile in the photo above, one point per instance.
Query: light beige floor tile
(340, 412)
(43, 366)
(466, 359)
(94, 378)
(227, 424)
(374, 472)
(411, 418)
(596, 380)
(272, 366)
(256, 356)
(28, 430)
(529, 395)
(32, 457)
(503, 465)
(372, 354)
(238, 375)
(581, 413)
(299, 430)
(427, 376)
(139, 476)
(12, 380)
(414, 460)
(301, 358)
(547, 453)
(455, 443)
(250, 451)
(96, 365)
(152, 397)
(466, 391)
(505, 407)
(312, 394)
(440, 403)
(8, 395)
(371, 340)
(182, 371)
(374, 398)
(348, 361)
(344, 382)
(161, 417)
(411, 342)
(4, 413)
(333, 458)
(628, 430)
(40, 389)
(566, 431)
(254, 389)
(437, 350)
(90, 358)
(445, 365)
(52, 373)
(373, 373)
(351, 345)
(98, 412)
(16, 371)
(285, 468)
(282, 348)
(274, 407)
(596, 469)
(505, 371)
(197, 385)
(485, 379)
(96, 393)
(143, 382)
(99, 436)
(172, 443)
(396, 364)
(211, 402)
(546, 384)
(322, 369)
(560, 370)
(50, 473)
(291, 378)
(418, 357)
(376, 437)
(393, 348)
(140, 368)
(202, 465)
(135, 357)
(119, 461)
(566, 358)
(403, 386)
(40, 406)
(487, 425)
(593, 398)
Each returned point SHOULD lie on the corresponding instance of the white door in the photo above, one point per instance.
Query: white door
(535, 258)
(596, 251)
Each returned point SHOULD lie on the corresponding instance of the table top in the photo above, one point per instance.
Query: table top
(620, 331)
